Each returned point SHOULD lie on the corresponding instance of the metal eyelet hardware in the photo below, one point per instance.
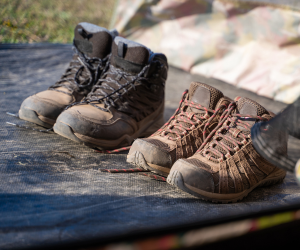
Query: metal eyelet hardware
(236, 149)
(193, 127)
(227, 155)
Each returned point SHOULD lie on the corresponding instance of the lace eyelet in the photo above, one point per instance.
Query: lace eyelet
(193, 127)
(244, 141)
(236, 149)
(227, 155)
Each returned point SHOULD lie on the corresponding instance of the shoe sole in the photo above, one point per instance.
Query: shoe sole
(137, 158)
(31, 116)
(66, 131)
(175, 178)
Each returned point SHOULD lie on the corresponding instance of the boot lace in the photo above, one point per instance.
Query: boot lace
(180, 124)
(109, 89)
(81, 73)
(231, 133)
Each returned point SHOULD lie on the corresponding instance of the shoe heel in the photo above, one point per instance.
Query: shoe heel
(153, 127)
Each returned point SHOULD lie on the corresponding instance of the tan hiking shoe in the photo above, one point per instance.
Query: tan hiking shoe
(197, 115)
(128, 102)
(228, 168)
(92, 45)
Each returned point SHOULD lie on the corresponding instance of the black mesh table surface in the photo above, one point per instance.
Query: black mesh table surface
(51, 189)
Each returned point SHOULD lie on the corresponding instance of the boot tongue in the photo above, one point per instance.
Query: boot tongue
(128, 55)
(246, 106)
(92, 40)
(204, 95)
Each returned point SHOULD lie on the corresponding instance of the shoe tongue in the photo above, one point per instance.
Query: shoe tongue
(246, 106)
(204, 95)
(92, 40)
(128, 55)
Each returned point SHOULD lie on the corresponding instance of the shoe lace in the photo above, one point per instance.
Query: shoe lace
(104, 92)
(179, 125)
(81, 73)
(228, 131)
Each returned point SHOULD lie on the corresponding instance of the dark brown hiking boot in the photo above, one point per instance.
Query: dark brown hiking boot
(92, 45)
(128, 102)
(197, 115)
(228, 168)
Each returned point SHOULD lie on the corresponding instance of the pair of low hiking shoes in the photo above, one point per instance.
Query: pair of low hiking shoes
(205, 148)
(113, 93)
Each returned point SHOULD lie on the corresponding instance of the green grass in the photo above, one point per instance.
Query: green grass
(31, 21)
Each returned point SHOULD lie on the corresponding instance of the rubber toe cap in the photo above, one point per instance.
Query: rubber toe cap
(152, 153)
(193, 175)
(42, 107)
(91, 125)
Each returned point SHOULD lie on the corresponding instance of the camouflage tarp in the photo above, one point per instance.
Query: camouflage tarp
(251, 44)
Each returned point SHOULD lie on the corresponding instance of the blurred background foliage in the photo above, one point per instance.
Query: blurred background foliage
(29, 21)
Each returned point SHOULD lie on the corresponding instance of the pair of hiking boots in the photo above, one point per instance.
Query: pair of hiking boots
(113, 93)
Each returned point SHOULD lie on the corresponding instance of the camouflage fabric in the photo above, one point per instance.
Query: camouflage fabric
(251, 44)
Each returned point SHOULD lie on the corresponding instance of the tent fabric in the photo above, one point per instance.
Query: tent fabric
(51, 189)
(253, 45)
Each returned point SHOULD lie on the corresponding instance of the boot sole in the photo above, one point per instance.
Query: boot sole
(31, 116)
(175, 178)
(66, 131)
(137, 158)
